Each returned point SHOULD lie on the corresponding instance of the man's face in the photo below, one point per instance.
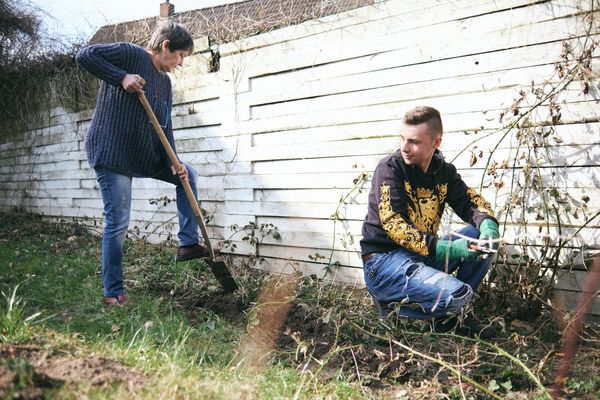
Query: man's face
(417, 144)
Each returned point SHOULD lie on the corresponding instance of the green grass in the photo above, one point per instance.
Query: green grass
(15, 326)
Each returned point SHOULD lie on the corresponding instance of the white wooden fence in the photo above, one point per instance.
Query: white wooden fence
(294, 116)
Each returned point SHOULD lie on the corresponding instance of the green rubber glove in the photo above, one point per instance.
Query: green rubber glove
(456, 250)
(489, 230)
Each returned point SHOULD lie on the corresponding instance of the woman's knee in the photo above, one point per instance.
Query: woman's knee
(118, 222)
(192, 174)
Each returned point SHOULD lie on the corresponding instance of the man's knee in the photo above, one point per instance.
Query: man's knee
(459, 299)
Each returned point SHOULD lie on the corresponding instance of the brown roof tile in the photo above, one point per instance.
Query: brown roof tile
(229, 22)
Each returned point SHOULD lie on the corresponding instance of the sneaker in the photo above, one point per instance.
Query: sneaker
(118, 301)
(191, 252)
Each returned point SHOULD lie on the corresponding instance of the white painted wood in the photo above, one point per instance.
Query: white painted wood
(343, 274)
(309, 196)
(468, 85)
(296, 209)
(571, 300)
(456, 118)
(529, 25)
(314, 181)
(311, 225)
(332, 22)
(388, 68)
(334, 132)
(48, 158)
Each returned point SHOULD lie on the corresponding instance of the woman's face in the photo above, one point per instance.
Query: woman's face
(167, 60)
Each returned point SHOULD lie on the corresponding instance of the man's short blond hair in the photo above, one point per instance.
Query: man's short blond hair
(425, 114)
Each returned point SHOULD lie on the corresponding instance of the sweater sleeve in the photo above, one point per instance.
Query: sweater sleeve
(469, 205)
(104, 61)
(392, 203)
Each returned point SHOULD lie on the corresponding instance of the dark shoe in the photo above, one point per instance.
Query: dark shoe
(444, 324)
(191, 252)
(469, 327)
(118, 301)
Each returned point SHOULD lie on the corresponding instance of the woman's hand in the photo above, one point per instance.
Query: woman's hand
(132, 83)
(183, 173)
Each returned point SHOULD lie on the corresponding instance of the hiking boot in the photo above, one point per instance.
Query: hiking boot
(192, 252)
(118, 301)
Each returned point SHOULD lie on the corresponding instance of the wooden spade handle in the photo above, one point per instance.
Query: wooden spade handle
(175, 161)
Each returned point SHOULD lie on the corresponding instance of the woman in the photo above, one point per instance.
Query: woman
(122, 144)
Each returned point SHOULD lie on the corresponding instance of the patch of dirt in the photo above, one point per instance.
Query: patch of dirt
(266, 320)
(226, 305)
(315, 337)
(18, 380)
(330, 337)
(98, 371)
(27, 370)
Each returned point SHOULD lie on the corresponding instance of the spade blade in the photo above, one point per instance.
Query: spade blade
(221, 272)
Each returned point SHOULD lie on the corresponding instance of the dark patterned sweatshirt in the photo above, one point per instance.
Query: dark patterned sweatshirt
(406, 205)
(121, 137)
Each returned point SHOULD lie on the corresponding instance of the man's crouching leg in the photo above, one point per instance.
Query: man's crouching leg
(436, 294)
(418, 290)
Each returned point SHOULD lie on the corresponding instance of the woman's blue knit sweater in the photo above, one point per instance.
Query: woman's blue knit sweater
(121, 137)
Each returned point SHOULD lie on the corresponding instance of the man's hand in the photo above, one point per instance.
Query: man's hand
(455, 250)
(489, 230)
(183, 173)
(132, 83)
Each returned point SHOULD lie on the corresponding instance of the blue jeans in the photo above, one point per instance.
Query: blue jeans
(116, 195)
(419, 285)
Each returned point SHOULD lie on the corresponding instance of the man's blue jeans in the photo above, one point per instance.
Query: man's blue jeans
(116, 195)
(419, 285)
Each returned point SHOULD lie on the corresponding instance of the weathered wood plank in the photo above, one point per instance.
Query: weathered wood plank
(496, 85)
(445, 14)
(327, 23)
(389, 68)
(314, 181)
(576, 133)
(343, 274)
(333, 196)
(310, 225)
(335, 132)
(296, 209)
(529, 25)
(456, 118)
(48, 158)
(300, 254)
(571, 300)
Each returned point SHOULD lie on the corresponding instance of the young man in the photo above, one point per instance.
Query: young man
(122, 144)
(404, 261)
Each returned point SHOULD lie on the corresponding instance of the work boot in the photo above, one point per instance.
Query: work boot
(185, 253)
